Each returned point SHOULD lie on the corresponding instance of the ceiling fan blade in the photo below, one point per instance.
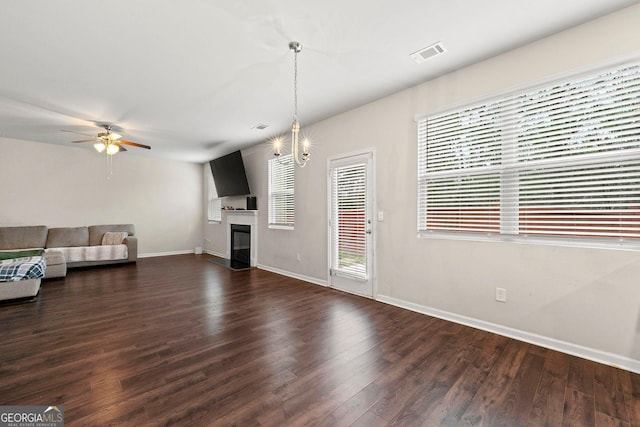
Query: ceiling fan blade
(134, 144)
(79, 133)
(85, 140)
(121, 148)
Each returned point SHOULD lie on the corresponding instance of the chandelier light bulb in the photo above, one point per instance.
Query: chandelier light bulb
(277, 145)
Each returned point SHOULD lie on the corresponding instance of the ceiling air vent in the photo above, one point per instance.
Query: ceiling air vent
(260, 126)
(428, 52)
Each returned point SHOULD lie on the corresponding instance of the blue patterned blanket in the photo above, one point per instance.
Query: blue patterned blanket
(12, 270)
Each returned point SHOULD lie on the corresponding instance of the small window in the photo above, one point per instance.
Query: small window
(281, 193)
(214, 210)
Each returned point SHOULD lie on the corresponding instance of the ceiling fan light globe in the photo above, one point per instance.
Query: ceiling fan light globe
(112, 149)
(99, 147)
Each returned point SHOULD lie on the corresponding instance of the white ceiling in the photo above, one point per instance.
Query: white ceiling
(192, 77)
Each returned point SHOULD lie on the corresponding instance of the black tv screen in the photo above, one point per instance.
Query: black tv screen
(229, 175)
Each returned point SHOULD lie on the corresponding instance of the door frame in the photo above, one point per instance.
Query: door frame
(371, 152)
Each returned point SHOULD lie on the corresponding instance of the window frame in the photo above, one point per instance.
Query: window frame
(507, 231)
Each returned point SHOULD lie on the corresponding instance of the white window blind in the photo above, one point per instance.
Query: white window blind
(214, 209)
(349, 216)
(558, 161)
(281, 192)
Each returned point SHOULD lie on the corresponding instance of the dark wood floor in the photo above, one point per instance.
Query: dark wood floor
(181, 341)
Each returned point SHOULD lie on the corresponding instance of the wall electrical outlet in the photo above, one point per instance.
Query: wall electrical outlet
(501, 294)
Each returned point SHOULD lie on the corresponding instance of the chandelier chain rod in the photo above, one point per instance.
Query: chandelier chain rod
(295, 84)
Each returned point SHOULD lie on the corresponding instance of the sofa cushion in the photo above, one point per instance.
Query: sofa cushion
(114, 237)
(68, 236)
(33, 236)
(96, 232)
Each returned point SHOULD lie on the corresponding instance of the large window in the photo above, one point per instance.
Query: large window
(281, 192)
(559, 162)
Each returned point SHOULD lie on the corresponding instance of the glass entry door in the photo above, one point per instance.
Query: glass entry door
(350, 223)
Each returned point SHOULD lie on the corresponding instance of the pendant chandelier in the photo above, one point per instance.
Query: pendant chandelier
(301, 160)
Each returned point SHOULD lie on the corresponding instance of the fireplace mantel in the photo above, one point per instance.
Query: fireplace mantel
(241, 217)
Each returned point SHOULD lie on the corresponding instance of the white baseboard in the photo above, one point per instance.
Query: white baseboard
(293, 275)
(595, 355)
(155, 254)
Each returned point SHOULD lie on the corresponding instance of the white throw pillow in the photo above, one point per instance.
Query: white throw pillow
(114, 237)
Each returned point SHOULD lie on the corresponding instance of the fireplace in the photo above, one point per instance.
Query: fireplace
(240, 246)
(243, 248)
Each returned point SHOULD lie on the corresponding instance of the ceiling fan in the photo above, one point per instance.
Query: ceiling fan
(108, 141)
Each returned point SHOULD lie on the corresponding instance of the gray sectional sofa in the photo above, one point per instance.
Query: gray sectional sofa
(83, 246)
(68, 247)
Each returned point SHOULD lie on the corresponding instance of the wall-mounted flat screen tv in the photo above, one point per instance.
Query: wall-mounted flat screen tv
(229, 175)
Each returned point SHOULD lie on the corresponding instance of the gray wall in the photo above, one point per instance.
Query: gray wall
(62, 186)
(581, 300)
